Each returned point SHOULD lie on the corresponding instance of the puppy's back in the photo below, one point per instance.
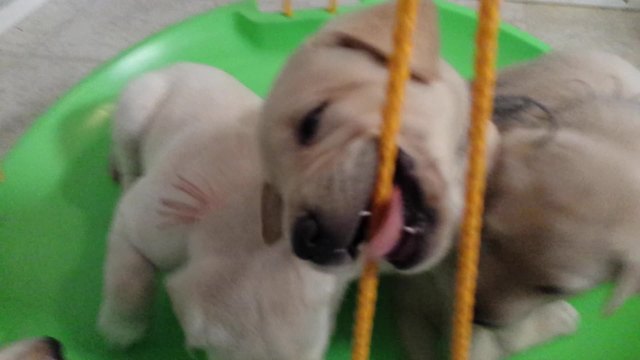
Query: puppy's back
(161, 106)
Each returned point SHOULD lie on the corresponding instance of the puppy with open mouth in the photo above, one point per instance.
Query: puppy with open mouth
(319, 136)
(558, 211)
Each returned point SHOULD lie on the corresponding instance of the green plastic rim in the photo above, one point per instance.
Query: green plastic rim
(57, 199)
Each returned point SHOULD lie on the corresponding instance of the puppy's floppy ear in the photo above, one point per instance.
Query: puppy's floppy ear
(371, 32)
(521, 111)
(627, 285)
(271, 212)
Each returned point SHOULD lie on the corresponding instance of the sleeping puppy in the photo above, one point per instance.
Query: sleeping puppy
(319, 137)
(578, 228)
(576, 177)
(33, 349)
(541, 181)
(192, 207)
(177, 133)
(563, 213)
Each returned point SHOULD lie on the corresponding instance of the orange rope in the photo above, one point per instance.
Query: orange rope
(333, 6)
(287, 8)
(399, 72)
(482, 108)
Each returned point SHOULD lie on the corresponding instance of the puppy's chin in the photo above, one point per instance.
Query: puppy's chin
(345, 271)
(439, 249)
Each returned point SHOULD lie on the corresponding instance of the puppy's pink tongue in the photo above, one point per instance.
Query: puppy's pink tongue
(390, 231)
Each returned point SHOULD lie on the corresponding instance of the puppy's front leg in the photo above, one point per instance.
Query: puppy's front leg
(544, 324)
(485, 345)
(128, 290)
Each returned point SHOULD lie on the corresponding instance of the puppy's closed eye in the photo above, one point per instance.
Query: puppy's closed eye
(308, 126)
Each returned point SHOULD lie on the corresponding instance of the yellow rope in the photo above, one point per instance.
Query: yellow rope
(287, 8)
(483, 89)
(333, 6)
(399, 72)
(482, 107)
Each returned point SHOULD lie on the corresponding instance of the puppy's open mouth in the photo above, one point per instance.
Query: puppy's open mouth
(403, 237)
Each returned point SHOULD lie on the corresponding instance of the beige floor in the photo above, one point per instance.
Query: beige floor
(53, 48)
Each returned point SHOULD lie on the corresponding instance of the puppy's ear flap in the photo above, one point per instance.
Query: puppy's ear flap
(271, 213)
(627, 285)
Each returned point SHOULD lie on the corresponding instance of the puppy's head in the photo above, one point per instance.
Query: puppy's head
(320, 133)
(562, 78)
(560, 219)
(33, 349)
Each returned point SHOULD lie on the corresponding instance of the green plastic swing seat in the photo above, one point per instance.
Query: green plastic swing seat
(57, 199)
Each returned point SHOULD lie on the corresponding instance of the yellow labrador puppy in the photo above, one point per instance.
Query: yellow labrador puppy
(33, 349)
(553, 199)
(562, 211)
(175, 132)
(319, 135)
(568, 132)
(561, 214)
(186, 150)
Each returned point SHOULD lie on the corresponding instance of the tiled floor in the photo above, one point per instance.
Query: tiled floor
(56, 46)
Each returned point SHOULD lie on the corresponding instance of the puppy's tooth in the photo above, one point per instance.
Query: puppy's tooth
(410, 230)
(364, 213)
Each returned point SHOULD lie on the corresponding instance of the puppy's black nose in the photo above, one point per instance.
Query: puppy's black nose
(311, 241)
(306, 233)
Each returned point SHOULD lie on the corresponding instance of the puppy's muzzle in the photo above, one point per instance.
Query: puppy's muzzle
(323, 243)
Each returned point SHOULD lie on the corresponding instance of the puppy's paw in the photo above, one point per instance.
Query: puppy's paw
(119, 331)
(544, 324)
(484, 345)
(562, 319)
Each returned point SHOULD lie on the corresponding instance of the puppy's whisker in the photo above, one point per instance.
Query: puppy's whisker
(364, 213)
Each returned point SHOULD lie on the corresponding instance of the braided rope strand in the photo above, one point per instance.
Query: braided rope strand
(287, 8)
(333, 6)
(399, 71)
(482, 107)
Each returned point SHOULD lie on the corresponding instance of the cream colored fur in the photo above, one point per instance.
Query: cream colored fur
(562, 202)
(560, 208)
(344, 68)
(185, 144)
(213, 247)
